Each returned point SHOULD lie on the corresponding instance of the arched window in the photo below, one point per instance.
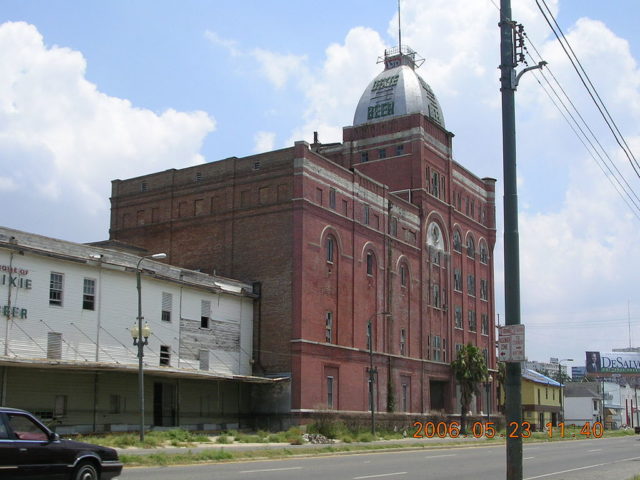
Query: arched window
(471, 248)
(457, 241)
(484, 252)
(370, 263)
(435, 243)
(330, 248)
(403, 275)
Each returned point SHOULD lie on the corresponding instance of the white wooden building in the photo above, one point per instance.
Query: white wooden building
(66, 350)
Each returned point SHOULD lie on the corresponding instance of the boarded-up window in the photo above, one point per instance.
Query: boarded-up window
(140, 217)
(155, 215)
(182, 209)
(167, 303)
(115, 404)
(165, 355)
(264, 193)
(205, 313)
(283, 192)
(244, 198)
(198, 207)
(54, 345)
(60, 406)
(203, 356)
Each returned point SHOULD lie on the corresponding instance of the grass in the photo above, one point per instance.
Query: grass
(347, 437)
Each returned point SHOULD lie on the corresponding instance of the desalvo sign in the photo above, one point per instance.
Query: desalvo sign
(612, 362)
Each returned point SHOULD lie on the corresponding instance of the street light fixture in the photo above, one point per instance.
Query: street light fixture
(140, 336)
(560, 382)
(372, 371)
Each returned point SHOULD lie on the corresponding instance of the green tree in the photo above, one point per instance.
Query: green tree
(470, 371)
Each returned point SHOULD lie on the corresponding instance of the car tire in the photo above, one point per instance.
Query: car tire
(85, 471)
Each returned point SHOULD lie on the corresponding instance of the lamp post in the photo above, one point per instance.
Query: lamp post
(487, 386)
(372, 371)
(560, 382)
(140, 336)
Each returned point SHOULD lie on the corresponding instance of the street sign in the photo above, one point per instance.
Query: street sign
(511, 343)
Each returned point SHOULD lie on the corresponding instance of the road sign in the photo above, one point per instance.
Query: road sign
(511, 343)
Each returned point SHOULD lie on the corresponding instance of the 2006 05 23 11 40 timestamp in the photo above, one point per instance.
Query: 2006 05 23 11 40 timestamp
(488, 430)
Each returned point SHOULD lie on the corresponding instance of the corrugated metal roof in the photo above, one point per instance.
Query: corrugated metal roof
(537, 377)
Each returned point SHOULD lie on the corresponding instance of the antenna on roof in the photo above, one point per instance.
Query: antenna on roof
(399, 29)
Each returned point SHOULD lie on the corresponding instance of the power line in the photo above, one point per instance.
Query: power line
(593, 93)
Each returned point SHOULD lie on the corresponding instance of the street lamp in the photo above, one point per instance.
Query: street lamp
(140, 336)
(560, 382)
(487, 386)
(372, 371)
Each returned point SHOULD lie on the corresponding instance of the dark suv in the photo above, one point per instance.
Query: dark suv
(28, 449)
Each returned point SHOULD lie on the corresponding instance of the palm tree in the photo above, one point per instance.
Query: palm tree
(470, 371)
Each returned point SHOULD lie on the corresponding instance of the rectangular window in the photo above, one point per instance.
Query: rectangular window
(55, 289)
(365, 214)
(472, 321)
(403, 341)
(484, 324)
(329, 392)
(115, 404)
(435, 301)
(89, 294)
(328, 327)
(167, 303)
(382, 153)
(140, 217)
(165, 355)
(319, 196)
(471, 285)
(435, 344)
(364, 157)
(485, 355)
(144, 187)
(457, 280)
(484, 290)
(205, 313)
(393, 226)
(435, 184)
(399, 149)
(458, 316)
(332, 198)
(198, 207)
(435, 255)
(458, 348)
(369, 336)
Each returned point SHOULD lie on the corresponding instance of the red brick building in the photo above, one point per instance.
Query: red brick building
(337, 234)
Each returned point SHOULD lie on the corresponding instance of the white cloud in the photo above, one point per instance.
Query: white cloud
(264, 141)
(279, 68)
(62, 140)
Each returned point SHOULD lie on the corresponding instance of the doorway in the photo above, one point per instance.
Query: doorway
(164, 404)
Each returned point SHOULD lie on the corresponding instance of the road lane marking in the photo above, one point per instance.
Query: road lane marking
(440, 456)
(271, 470)
(381, 475)
(595, 450)
(582, 468)
(528, 458)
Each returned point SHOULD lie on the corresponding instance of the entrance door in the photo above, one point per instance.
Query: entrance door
(436, 393)
(164, 404)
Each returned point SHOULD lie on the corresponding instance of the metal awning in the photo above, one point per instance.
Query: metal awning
(133, 368)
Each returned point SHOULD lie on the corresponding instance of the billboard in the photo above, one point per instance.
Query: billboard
(597, 363)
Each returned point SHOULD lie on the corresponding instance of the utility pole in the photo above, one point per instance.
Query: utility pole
(510, 33)
(513, 377)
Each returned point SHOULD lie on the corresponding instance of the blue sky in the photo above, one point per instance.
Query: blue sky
(93, 91)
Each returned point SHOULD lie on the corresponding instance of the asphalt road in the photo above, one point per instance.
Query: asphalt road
(614, 458)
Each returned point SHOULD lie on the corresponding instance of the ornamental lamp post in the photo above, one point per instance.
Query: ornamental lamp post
(140, 337)
(372, 371)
